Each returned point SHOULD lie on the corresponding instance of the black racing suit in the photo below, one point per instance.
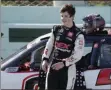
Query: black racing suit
(68, 44)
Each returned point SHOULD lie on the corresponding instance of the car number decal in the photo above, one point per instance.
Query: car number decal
(104, 77)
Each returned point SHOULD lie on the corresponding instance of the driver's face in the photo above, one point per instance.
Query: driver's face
(88, 28)
(66, 18)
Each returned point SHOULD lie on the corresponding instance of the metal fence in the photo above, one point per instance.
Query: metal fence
(49, 2)
(99, 2)
(27, 2)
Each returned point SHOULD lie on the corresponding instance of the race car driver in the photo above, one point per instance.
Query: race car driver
(64, 48)
(94, 25)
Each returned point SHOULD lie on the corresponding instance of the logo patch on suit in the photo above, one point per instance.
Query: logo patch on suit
(61, 30)
(70, 34)
(57, 37)
(96, 45)
(80, 42)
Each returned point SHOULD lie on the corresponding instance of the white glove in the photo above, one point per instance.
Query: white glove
(45, 65)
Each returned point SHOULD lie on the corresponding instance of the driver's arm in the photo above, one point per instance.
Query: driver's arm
(77, 52)
(95, 53)
(48, 48)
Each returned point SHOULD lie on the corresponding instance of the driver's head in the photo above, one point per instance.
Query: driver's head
(67, 13)
(93, 23)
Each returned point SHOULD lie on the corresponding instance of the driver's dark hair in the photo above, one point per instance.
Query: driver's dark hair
(68, 8)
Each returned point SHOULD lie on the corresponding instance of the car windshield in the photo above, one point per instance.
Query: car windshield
(18, 51)
(15, 53)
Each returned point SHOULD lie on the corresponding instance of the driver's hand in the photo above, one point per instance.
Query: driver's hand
(90, 67)
(44, 65)
(58, 66)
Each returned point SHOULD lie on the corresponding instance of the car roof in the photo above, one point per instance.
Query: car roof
(92, 38)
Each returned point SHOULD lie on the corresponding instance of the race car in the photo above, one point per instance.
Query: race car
(22, 70)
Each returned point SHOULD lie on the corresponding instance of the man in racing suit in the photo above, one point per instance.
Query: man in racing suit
(94, 25)
(63, 49)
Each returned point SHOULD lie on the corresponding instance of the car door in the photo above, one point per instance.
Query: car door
(17, 80)
(16, 72)
(98, 79)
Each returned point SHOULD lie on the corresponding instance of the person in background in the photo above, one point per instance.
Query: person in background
(64, 48)
(94, 25)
